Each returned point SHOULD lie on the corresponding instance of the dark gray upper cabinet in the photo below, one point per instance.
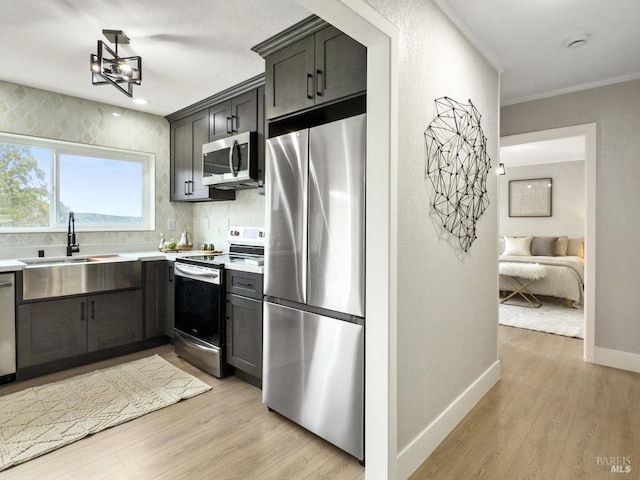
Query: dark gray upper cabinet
(237, 109)
(341, 65)
(187, 137)
(289, 78)
(240, 114)
(310, 64)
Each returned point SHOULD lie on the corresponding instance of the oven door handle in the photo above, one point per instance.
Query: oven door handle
(196, 273)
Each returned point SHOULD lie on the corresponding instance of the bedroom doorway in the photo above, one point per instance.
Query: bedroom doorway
(566, 156)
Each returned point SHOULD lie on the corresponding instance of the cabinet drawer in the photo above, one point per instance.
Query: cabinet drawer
(246, 284)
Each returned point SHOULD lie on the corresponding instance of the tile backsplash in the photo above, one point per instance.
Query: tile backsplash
(213, 219)
(29, 111)
(39, 113)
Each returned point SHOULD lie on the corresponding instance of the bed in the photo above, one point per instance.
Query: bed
(562, 258)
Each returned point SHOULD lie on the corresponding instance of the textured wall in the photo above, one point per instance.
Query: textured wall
(447, 309)
(39, 113)
(616, 110)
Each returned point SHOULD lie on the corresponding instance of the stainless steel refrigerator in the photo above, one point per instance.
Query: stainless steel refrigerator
(313, 371)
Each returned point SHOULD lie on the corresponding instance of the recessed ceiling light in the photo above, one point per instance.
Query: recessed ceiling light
(115, 114)
(140, 101)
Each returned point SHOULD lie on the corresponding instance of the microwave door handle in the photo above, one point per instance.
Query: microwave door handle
(232, 167)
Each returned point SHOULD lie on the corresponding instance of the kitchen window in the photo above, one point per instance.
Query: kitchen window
(42, 180)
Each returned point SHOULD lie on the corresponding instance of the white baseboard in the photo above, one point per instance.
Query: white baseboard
(617, 359)
(414, 454)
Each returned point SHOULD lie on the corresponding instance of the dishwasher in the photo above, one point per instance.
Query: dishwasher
(7, 328)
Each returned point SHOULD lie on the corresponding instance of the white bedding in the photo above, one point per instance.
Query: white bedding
(564, 279)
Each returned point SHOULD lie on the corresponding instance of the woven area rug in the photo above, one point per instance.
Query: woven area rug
(552, 317)
(41, 419)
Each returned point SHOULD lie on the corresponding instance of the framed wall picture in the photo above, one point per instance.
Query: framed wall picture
(530, 198)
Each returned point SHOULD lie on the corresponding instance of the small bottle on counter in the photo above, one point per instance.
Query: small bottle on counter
(161, 246)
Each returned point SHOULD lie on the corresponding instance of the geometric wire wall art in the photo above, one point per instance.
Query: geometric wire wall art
(457, 165)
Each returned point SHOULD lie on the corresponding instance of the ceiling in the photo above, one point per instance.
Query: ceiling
(192, 50)
(527, 40)
(568, 149)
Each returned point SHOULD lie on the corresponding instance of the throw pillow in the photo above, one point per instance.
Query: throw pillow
(544, 246)
(575, 247)
(520, 246)
(561, 246)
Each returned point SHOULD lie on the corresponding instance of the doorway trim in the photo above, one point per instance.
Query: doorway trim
(587, 130)
(360, 21)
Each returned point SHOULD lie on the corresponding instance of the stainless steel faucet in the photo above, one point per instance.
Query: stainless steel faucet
(72, 246)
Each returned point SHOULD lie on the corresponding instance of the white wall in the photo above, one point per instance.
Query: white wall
(567, 200)
(447, 309)
(616, 110)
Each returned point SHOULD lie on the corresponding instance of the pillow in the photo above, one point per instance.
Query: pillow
(501, 245)
(575, 247)
(520, 246)
(561, 246)
(544, 246)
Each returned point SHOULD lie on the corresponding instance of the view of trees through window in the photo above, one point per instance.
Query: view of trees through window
(24, 188)
(106, 189)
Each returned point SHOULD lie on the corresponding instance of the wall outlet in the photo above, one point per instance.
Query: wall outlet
(207, 224)
(171, 224)
(225, 224)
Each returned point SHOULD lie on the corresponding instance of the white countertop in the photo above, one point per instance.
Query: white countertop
(12, 265)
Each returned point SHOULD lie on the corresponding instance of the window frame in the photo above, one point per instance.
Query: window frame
(62, 147)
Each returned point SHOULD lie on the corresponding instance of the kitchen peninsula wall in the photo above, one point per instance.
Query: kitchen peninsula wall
(39, 113)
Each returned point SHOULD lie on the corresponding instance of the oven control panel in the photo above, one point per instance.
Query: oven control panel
(247, 235)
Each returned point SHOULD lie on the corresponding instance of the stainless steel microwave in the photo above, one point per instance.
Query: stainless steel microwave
(231, 161)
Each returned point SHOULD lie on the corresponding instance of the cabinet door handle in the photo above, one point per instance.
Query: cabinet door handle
(309, 86)
(186, 187)
(245, 285)
(234, 123)
(319, 82)
(93, 309)
(229, 125)
(82, 311)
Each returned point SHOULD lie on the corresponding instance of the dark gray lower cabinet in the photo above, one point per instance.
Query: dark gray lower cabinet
(114, 319)
(244, 324)
(158, 287)
(244, 334)
(58, 329)
(51, 330)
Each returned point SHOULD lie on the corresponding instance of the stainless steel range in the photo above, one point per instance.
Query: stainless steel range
(200, 298)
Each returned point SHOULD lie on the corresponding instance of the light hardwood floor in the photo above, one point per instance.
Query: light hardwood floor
(549, 417)
(225, 433)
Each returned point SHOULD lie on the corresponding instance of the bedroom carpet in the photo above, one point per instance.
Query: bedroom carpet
(552, 317)
(40, 419)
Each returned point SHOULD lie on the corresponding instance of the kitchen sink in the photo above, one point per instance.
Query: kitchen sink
(47, 262)
(59, 277)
